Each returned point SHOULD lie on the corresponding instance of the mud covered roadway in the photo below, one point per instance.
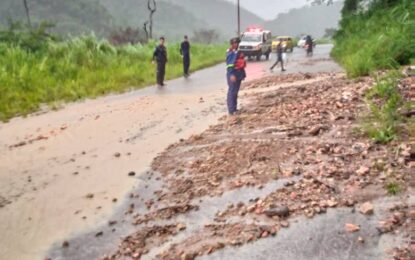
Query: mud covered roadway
(65, 172)
(289, 177)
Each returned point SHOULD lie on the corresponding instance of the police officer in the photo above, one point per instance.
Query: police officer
(279, 58)
(235, 66)
(160, 56)
(185, 52)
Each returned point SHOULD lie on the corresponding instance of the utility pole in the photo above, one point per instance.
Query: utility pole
(239, 20)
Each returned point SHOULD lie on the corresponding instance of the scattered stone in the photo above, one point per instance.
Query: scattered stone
(100, 233)
(89, 196)
(351, 228)
(282, 211)
(131, 174)
(117, 155)
(363, 170)
(181, 226)
(366, 208)
(65, 244)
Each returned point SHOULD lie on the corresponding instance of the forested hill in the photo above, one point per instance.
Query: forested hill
(172, 19)
(71, 17)
(312, 20)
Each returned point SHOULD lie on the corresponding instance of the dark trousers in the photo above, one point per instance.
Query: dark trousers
(279, 59)
(161, 71)
(233, 89)
(186, 64)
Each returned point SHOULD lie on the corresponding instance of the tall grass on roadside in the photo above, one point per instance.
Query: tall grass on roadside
(83, 67)
(376, 39)
(384, 101)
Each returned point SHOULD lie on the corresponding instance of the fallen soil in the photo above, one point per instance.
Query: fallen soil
(294, 152)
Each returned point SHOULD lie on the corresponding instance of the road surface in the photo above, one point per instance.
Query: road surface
(63, 173)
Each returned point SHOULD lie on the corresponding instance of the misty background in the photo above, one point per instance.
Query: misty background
(174, 18)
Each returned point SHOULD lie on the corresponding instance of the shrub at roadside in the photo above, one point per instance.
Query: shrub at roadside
(384, 101)
(381, 37)
(46, 71)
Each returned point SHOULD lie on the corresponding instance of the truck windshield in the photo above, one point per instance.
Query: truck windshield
(252, 38)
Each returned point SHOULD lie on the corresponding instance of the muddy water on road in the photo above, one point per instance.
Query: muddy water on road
(60, 172)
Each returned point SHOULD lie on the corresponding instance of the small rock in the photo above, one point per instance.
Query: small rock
(366, 208)
(89, 196)
(351, 228)
(65, 244)
(131, 174)
(315, 130)
(360, 240)
(181, 226)
(117, 155)
(282, 211)
(363, 170)
(100, 233)
(285, 224)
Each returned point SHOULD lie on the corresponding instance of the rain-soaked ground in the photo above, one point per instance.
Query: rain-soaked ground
(292, 145)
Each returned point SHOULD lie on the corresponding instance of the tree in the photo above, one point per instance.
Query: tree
(152, 7)
(26, 7)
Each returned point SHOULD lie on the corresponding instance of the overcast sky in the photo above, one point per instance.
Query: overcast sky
(268, 9)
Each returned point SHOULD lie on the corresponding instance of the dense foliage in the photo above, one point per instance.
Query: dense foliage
(378, 36)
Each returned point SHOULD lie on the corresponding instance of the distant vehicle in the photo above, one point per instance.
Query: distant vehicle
(286, 41)
(301, 42)
(256, 42)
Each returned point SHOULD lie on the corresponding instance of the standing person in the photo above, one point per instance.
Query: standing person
(160, 56)
(185, 52)
(235, 66)
(279, 58)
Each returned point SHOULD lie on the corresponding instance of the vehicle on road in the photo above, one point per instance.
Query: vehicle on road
(286, 42)
(301, 43)
(256, 42)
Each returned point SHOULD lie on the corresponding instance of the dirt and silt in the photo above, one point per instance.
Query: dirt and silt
(289, 177)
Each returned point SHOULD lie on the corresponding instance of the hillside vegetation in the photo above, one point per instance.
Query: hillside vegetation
(379, 37)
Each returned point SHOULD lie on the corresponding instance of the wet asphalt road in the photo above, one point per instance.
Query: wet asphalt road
(320, 238)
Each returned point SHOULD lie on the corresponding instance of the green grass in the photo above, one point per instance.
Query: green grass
(393, 188)
(376, 39)
(384, 101)
(83, 67)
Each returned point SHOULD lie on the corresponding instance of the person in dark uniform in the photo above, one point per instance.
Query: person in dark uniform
(235, 67)
(279, 57)
(160, 56)
(185, 52)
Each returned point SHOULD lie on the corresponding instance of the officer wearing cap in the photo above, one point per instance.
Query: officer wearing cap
(235, 73)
